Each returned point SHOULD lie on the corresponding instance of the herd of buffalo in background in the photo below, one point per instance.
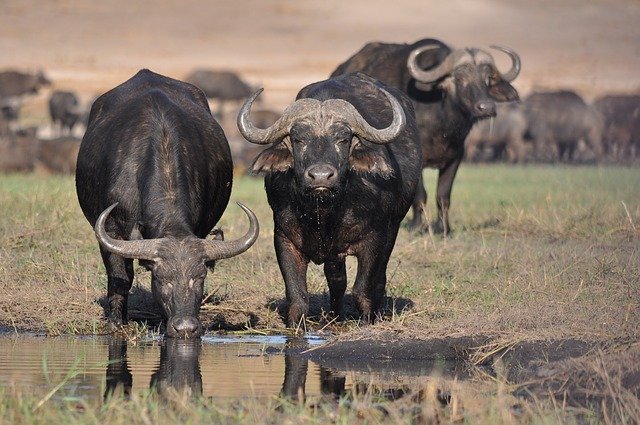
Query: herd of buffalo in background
(342, 163)
(550, 126)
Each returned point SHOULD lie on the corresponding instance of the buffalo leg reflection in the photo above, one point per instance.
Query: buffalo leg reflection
(295, 378)
(118, 372)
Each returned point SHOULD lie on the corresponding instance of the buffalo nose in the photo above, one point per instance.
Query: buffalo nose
(485, 108)
(184, 327)
(321, 175)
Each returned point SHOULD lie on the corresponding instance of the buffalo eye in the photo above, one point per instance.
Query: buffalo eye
(343, 141)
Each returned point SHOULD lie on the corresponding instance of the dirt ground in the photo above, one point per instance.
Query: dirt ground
(590, 45)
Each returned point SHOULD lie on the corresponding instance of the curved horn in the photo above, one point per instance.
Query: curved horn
(216, 250)
(142, 250)
(515, 63)
(428, 76)
(254, 134)
(362, 128)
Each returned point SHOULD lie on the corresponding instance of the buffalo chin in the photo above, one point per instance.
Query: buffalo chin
(321, 194)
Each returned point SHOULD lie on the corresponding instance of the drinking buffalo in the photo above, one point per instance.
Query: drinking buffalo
(450, 90)
(341, 173)
(154, 176)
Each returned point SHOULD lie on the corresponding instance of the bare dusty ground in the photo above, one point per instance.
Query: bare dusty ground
(590, 45)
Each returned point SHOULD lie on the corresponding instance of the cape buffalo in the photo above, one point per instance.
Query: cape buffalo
(64, 110)
(9, 113)
(621, 134)
(15, 83)
(502, 134)
(557, 121)
(154, 176)
(341, 173)
(220, 85)
(450, 90)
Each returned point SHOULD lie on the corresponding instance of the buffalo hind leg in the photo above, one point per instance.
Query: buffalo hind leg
(419, 202)
(293, 266)
(443, 197)
(119, 280)
(336, 273)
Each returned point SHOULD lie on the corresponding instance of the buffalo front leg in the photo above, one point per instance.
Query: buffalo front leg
(336, 273)
(293, 266)
(119, 280)
(419, 202)
(371, 278)
(443, 197)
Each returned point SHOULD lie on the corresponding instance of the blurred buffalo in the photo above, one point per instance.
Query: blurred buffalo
(65, 111)
(23, 152)
(502, 135)
(15, 83)
(220, 85)
(558, 121)
(621, 135)
(9, 113)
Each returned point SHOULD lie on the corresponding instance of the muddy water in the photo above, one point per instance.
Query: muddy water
(255, 366)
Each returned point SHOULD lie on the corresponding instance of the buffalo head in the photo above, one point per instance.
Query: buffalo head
(470, 76)
(178, 267)
(322, 141)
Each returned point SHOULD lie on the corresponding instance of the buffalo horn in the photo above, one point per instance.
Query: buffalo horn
(515, 63)
(435, 74)
(216, 249)
(145, 249)
(278, 130)
(359, 126)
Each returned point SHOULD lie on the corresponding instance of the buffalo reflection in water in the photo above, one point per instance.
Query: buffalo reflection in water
(178, 373)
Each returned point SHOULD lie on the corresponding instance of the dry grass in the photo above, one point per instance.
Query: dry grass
(541, 251)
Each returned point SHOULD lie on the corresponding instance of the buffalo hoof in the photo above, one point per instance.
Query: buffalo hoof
(296, 317)
(114, 324)
(416, 226)
(438, 228)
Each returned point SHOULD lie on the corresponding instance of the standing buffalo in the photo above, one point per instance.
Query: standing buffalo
(450, 90)
(220, 85)
(64, 110)
(621, 135)
(341, 173)
(155, 157)
(14, 83)
(558, 120)
(9, 112)
(502, 134)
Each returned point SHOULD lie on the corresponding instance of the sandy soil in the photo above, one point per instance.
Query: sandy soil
(590, 45)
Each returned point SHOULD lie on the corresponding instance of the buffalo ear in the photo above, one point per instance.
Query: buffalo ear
(503, 92)
(273, 159)
(364, 159)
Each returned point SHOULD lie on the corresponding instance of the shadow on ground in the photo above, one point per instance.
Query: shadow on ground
(319, 307)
